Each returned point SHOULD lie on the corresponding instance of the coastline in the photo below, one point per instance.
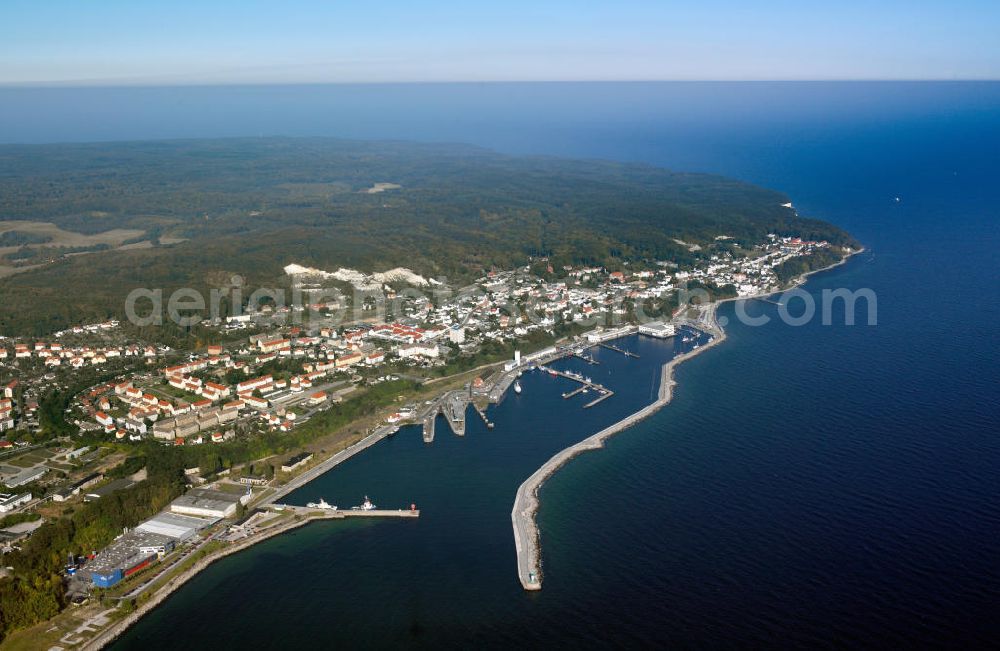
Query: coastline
(526, 536)
(161, 594)
(526, 502)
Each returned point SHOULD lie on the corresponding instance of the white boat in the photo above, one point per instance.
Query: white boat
(322, 504)
(365, 506)
(517, 387)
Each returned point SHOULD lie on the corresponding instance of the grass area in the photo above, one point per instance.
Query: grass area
(161, 390)
(65, 467)
(60, 237)
(110, 461)
(47, 634)
(40, 636)
(52, 509)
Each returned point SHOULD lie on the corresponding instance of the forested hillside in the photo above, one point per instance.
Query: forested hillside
(251, 206)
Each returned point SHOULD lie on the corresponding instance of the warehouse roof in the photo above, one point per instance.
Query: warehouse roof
(176, 526)
(206, 498)
(124, 552)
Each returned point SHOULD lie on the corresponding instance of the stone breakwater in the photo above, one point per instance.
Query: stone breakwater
(526, 540)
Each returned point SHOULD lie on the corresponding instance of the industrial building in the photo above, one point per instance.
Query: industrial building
(174, 525)
(9, 502)
(25, 476)
(657, 329)
(117, 485)
(66, 492)
(124, 557)
(205, 502)
(300, 459)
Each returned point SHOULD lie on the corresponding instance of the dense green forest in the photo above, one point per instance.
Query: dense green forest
(252, 206)
(17, 238)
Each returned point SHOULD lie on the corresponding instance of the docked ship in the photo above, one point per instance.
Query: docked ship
(321, 504)
(365, 506)
(517, 387)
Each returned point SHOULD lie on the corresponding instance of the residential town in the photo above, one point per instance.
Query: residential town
(282, 374)
(72, 403)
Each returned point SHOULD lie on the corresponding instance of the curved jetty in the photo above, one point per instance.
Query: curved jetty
(526, 501)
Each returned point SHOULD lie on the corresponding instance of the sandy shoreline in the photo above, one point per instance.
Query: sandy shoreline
(526, 502)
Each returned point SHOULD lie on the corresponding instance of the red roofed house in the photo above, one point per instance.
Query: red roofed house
(214, 391)
(348, 360)
(274, 345)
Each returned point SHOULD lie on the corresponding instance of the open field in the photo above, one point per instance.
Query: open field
(56, 237)
(22, 462)
(60, 237)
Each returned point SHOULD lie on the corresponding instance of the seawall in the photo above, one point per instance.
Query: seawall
(526, 540)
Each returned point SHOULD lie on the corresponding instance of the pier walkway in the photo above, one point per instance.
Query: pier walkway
(626, 353)
(585, 385)
(428, 424)
(339, 514)
(579, 355)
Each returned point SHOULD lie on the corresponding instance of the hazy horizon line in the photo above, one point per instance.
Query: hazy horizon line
(110, 83)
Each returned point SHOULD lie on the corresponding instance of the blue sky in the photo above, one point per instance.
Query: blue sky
(250, 41)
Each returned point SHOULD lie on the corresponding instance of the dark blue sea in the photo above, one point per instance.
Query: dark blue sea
(815, 486)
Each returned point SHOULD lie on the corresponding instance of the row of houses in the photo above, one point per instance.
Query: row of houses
(6, 411)
(56, 354)
(187, 425)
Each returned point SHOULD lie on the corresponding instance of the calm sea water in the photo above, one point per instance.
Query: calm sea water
(809, 486)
